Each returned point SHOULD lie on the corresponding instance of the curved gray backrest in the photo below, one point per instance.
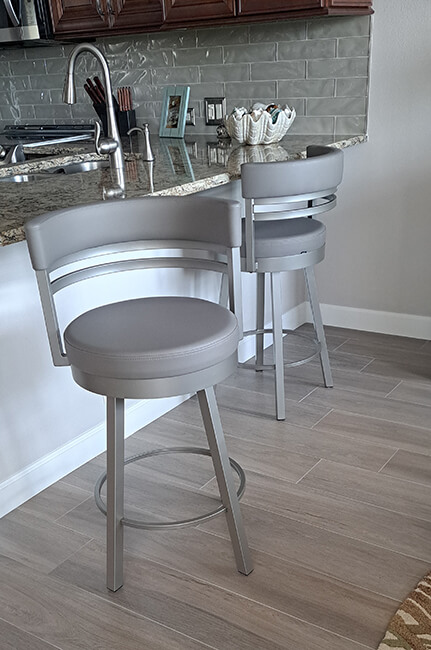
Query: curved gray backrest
(201, 233)
(61, 233)
(321, 172)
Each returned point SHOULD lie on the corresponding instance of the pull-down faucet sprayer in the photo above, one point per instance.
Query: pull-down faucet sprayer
(110, 144)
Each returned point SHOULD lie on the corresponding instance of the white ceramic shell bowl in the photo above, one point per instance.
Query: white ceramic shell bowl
(249, 130)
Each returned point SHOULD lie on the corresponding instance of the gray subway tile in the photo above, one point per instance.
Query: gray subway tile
(278, 70)
(201, 90)
(44, 53)
(297, 103)
(11, 84)
(214, 73)
(147, 93)
(28, 67)
(51, 112)
(5, 69)
(340, 26)
(336, 106)
(286, 30)
(310, 49)
(356, 87)
(249, 53)
(27, 112)
(182, 38)
(313, 126)
(198, 56)
(222, 35)
(354, 46)
(10, 54)
(328, 68)
(307, 72)
(265, 91)
(351, 125)
(307, 88)
(43, 82)
(10, 113)
(33, 97)
(182, 76)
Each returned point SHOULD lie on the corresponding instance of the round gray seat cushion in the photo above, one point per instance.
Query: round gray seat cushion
(283, 237)
(151, 338)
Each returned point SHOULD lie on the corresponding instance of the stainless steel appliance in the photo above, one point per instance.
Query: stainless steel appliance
(25, 21)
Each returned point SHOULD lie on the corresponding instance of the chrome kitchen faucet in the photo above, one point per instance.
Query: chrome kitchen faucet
(111, 144)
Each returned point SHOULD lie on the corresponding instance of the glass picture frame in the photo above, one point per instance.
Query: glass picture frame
(174, 111)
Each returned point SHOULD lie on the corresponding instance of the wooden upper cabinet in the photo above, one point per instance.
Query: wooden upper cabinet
(103, 17)
(254, 7)
(90, 18)
(77, 16)
(130, 14)
(190, 11)
(350, 6)
(298, 8)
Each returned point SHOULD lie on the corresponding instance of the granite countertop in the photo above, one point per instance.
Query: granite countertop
(180, 167)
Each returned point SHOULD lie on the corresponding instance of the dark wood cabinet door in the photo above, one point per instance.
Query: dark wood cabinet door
(302, 7)
(104, 17)
(135, 15)
(349, 5)
(192, 11)
(78, 16)
(248, 7)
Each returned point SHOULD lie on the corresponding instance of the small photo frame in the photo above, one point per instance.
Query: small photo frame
(174, 111)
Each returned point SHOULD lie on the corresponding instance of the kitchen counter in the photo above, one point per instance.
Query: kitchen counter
(180, 167)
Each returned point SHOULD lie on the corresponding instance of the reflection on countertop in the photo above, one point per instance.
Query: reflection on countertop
(181, 166)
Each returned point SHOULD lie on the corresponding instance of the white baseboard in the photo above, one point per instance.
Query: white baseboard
(47, 470)
(370, 320)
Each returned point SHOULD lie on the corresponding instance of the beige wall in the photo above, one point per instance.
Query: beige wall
(378, 254)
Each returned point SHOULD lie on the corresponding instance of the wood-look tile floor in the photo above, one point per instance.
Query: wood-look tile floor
(337, 511)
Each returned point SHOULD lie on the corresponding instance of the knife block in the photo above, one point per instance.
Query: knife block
(125, 119)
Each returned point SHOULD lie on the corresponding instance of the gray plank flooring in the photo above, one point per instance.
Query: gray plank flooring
(337, 510)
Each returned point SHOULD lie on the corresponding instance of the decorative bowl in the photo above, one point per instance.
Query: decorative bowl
(263, 125)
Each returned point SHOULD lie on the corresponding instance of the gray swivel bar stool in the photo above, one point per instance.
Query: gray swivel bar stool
(280, 235)
(150, 346)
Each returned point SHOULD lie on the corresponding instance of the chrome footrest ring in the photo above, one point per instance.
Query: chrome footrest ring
(149, 525)
(287, 364)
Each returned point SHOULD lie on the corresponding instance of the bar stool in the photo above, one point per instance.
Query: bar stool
(280, 235)
(147, 347)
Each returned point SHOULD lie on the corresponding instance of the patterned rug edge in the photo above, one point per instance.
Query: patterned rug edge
(410, 627)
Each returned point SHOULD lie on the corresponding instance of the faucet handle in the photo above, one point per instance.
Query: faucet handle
(103, 145)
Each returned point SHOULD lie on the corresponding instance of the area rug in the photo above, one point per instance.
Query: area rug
(410, 627)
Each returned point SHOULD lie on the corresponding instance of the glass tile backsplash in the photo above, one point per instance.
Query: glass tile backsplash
(319, 66)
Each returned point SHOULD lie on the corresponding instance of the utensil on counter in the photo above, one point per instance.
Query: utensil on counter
(123, 106)
(124, 95)
(100, 87)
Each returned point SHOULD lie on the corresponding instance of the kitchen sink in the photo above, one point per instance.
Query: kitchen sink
(22, 178)
(67, 168)
(79, 167)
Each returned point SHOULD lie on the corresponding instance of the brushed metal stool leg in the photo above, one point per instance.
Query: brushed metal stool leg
(115, 492)
(223, 472)
(260, 317)
(277, 329)
(310, 280)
